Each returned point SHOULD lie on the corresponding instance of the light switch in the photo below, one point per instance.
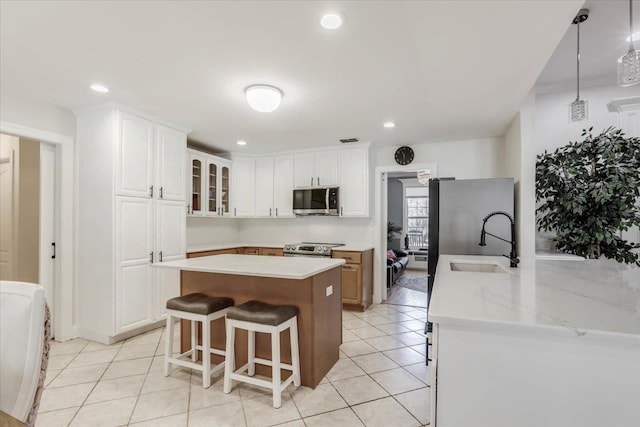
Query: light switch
(329, 290)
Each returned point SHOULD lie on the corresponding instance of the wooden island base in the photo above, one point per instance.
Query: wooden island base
(319, 317)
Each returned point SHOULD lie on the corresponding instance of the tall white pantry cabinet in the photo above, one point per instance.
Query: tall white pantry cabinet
(131, 212)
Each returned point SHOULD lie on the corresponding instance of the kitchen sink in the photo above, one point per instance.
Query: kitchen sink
(473, 267)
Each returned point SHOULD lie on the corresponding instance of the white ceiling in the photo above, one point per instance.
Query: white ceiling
(602, 42)
(442, 70)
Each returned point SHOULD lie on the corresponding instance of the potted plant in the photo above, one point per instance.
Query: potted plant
(588, 192)
(392, 231)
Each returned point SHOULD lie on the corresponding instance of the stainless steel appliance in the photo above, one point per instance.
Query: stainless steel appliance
(316, 201)
(457, 210)
(310, 249)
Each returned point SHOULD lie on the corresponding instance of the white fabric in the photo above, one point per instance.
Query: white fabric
(22, 312)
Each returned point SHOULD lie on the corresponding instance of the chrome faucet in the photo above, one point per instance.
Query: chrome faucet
(513, 256)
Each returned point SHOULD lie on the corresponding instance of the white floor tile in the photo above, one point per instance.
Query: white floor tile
(420, 370)
(156, 381)
(410, 338)
(417, 402)
(67, 347)
(359, 389)
(93, 358)
(51, 375)
(384, 343)
(113, 413)
(212, 396)
(393, 328)
(357, 348)
(323, 398)
(57, 363)
(83, 374)
(343, 369)
(160, 404)
(59, 418)
(125, 368)
(397, 381)
(136, 352)
(259, 412)
(64, 397)
(179, 420)
(405, 356)
(367, 332)
(117, 388)
(384, 413)
(340, 418)
(374, 362)
(227, 415)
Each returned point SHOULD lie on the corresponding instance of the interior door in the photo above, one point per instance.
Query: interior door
(171, 238)
(47, 224)
(171, 163)
(134, 255)
(6, 209)
(134, 156)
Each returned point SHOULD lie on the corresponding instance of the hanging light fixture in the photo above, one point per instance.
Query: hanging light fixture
(579, 106)
(629, 63)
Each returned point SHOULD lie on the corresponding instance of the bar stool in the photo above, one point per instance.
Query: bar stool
(197, 308)
(256, 316)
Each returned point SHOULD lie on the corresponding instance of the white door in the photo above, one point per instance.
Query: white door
(134, 156)
(283, 185)
(47, 224)
(326, 168)
(172, 150)
(264, 187)
(243, 193)
(6, 208)
(171, 241)
(134, 254)
(304, 169)
(354, 182)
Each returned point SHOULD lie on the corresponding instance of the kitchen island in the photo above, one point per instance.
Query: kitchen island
(553, 343)
(311, 284)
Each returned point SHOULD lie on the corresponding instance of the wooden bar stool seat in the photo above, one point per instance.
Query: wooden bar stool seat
(197, 308)
(256, 316)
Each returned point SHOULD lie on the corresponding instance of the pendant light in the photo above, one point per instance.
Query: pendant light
(629, 63)
(579, 107)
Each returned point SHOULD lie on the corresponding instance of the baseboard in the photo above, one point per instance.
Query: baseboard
(108, 339)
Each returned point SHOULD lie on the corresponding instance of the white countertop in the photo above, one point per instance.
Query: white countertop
(593, 297)
(222, 246)
(251, 265)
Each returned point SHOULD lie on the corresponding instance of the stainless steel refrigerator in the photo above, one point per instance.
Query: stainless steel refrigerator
(456, 212)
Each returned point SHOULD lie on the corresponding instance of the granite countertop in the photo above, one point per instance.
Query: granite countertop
(222, 246)
(250, 265)
(593, 298)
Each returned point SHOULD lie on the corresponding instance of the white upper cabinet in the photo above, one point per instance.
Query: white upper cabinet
(134, 156)
(209, 181)
(197, 166)
(283, 185)
(354, 181)
(171, 163)
(316, 168)
(264, 187)
(243, 190)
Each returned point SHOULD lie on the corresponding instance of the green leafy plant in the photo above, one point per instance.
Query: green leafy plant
(392, 231)
(587, 193)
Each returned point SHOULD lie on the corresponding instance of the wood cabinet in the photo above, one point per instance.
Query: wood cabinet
(131, 200)
(353, 165)
(316, 168)
(209, 185)
(251, 251)
(244, 250)
(216, 252)
(243, 189)
(357, 279)
(271, 252)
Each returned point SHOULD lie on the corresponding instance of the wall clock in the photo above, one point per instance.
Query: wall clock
(404, 155)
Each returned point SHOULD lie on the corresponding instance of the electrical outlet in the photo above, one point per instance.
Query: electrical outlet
(329, 290)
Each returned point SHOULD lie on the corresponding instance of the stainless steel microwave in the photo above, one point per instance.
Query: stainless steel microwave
(316, 201)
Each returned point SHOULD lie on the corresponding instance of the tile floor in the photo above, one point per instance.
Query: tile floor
(380, 380)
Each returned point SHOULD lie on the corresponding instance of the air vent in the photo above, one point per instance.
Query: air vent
(349, 140)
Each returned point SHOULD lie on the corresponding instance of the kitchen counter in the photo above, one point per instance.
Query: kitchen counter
(589, 297)
(222, 246)
(249, 265)
(549, 343)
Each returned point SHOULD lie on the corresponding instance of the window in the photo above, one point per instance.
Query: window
(417, 215)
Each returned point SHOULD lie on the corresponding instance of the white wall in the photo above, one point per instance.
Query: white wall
(38, 115)
(552, 128)
(205, 231)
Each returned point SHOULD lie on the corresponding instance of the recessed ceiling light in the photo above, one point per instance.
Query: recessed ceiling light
(331, 21)
(389, 125)
(241, 142)
(635, 36)
(263, 98)
(99, 88)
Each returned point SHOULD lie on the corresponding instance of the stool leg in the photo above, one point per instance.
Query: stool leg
(230, 357)
(252, 353)
(295, 352)
(194, 340)
(168, 345)
(206, 354)
(275, 365)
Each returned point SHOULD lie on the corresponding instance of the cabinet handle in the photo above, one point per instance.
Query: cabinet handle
(276, 211)
(54, 250)
(160, 256)
(312, 181)
(234, 212)
(318, 181)
(188, 209)
(151, 191)
(161, 192)
(151, 257)
(269, 211)
(341, 211)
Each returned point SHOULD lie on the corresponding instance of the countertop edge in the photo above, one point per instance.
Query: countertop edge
(223, 246)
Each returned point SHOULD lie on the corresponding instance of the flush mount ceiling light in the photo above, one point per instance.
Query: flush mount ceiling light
(99, 88)
(263, 98)
(241, 142)
(389, 125)
(331, 21)
(629, 63)
(579, 107)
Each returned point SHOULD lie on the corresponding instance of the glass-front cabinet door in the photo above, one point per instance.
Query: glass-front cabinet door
(224, 190)
(196, 169)
(212, 189)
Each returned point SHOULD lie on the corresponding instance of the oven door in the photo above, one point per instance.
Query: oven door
(304, 255)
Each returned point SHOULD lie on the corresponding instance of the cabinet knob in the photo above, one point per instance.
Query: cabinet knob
(276, 211)
(312, 181)
(151, 257)
(318, 181)
(341, 211)
(161, 192)
(160, 256)
(188, 209)
(151, 191)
